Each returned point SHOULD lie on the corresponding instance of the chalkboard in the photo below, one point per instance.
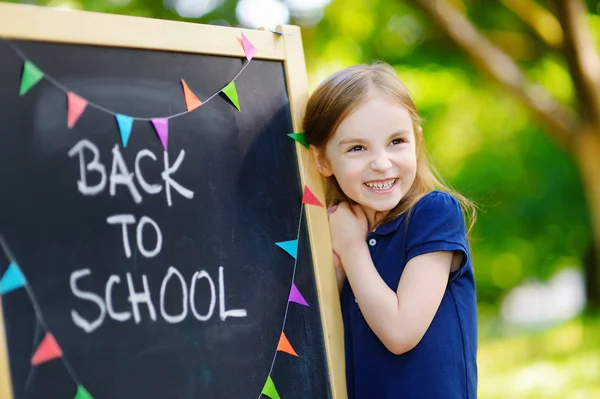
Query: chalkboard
(156, 271)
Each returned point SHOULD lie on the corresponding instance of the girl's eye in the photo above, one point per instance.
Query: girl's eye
(397, 141)
(356, 148)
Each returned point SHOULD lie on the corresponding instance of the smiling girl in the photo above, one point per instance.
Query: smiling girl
(399, 239)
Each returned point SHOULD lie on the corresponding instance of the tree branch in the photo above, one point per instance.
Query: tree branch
(561, 125)
(540, 20)
(581, 55)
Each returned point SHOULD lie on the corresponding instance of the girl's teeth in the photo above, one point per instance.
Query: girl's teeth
(381, 186)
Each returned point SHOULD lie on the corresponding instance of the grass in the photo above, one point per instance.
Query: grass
(561, 363)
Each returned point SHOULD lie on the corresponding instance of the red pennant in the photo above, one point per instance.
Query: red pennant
(191, 101)
(75, 107)
(47, 350)
(310, 198)
(285, 346)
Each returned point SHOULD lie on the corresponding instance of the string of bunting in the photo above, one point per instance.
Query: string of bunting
(76, 104)
(14, 279)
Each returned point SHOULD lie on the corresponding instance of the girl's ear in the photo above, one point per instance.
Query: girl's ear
(321, 161)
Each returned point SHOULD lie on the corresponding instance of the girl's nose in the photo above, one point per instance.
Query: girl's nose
(381, 162)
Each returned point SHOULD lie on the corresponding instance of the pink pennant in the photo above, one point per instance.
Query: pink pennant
(296, 296)
(310, 198)
(75, 107)
(47, 350)
(249, 48)
(161, 125)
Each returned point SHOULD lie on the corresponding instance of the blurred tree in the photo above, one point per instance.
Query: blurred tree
(565, 31)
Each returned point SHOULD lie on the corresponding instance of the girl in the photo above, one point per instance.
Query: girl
(399, 240)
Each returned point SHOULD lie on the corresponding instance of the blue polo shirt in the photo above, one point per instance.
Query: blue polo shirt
(443, 364)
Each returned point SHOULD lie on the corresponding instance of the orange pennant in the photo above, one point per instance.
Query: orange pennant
(191, 101)
(75, 107)
(310, 198)
(285, 346)
(48, 350)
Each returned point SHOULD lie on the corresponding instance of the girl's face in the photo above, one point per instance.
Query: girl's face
(373, 155)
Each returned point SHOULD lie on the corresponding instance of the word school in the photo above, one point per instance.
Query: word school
(135, 298)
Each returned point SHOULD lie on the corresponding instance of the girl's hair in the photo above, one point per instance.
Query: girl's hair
(341, 94)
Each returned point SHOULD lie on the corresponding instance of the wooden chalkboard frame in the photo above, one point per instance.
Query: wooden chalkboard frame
(27, 22)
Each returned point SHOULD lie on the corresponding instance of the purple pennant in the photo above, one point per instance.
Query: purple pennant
(296, 296)
(161, 125)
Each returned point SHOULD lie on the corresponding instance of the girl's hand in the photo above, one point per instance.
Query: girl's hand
(349, 227)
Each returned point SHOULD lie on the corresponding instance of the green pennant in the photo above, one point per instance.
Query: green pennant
(300, 138)
(231, 93)
(269, 389)
(82, 393)
(31, 75)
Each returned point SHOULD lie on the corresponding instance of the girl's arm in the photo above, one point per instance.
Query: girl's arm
(401, 318)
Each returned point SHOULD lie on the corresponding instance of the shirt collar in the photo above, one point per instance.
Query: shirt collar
(391, 226)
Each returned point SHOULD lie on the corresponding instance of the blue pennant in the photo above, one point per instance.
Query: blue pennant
(125, 124)
(12, 279)
(291, 247)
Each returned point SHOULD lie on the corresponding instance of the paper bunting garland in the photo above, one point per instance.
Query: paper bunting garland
(296, 296)
(46, 351)
(125, 124)
(75, 107)
(300, 138)
(309, 198)
(231, 92)
(285, 346)
(31, 76)
(191, 101)
(249, 48)
(291, 247)
(12, 279)
(82, 393)
(269, 389)
(161, 126)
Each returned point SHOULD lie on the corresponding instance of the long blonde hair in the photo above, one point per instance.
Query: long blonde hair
(342, 93)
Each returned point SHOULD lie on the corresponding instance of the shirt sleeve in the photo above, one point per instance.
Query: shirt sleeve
(437, 224)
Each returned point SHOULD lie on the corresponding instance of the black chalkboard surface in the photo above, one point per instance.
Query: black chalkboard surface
(193, 231)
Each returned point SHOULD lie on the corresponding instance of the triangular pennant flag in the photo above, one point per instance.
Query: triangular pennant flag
(291, 247)
(75, 107)
(31, 76)
(300, 138)
(125, 123)
(310, 198)
(191, 101)
(269, 389)
(231, 93)
(249, 48)
(296, 296)
(285, 346)
(12, 279)
(161, 125)
(47, 350)
(82, 393)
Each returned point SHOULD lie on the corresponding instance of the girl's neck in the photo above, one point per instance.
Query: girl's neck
(374, 218)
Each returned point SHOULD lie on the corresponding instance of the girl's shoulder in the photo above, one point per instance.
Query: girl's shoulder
(437, 201)
(436, 211)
